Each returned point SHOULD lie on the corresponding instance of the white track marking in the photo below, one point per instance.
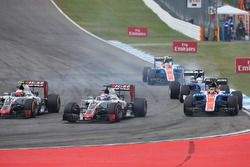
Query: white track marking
(131, 143)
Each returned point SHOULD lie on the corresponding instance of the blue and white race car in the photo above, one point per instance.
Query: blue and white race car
(216, 98)
(163, 72)
(193, 82)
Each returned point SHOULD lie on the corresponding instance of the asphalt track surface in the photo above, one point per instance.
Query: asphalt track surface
(37, 42)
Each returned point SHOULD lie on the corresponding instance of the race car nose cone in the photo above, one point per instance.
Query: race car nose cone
(88, 116)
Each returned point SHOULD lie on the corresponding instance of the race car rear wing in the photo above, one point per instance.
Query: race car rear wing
(195, 73)
(158, 59)
(124, 87)
(218, 81)
(37, 84)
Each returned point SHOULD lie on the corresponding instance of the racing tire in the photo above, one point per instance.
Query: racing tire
(178, 74)
(240, 98)
(224, 88)
(174, 90)
(233, 103)
(151, 76)
(188, 105)
(53, 103)
(184, 90)
(71, 112)
(115, 108)
(145, 74)
(140, 107)
(30, 104)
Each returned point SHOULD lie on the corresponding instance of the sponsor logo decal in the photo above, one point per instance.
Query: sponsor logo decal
(210, 105)
(242, 65)
(184, 47)
(137, 31)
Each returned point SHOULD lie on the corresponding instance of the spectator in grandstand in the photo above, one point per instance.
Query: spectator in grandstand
(228, 29)
(240, 30)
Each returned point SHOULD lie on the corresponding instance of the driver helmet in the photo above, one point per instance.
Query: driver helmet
(192, 80)
(19, 92)
(199, 80)
(104, 97)
(169, 60)
(212, 88)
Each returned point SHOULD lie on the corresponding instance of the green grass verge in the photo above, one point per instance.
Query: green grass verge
(109, 19)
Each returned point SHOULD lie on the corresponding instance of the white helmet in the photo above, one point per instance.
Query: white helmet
(105, 97)
(212, 90)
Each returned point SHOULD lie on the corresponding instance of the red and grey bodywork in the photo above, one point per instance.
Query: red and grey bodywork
(35, 100)
(119, 103)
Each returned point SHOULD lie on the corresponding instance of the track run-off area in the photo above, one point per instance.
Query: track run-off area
(37, 42)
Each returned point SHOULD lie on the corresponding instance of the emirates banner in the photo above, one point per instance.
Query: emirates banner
(242, 65)
(184, 47)
(137, 31)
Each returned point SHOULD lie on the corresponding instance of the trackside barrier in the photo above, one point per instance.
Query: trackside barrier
(191, 30)
(202, 33)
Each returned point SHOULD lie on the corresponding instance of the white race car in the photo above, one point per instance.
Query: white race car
(112, 105)
(26, 102)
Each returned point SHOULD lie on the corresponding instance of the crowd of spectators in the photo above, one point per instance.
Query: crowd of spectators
(230, 32)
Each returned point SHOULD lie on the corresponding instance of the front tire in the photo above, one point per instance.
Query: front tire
(30, 105)
(184, 90)
(240, 98)
(71, 112)
(145, 74)
(53, 103)
(188, 105)
(174, 90)
(116, 109)
(233, 104)
(140, 107)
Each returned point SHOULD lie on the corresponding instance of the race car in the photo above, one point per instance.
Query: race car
(114, 104)
(163, 72)
(217, 98)
(193, 82)
(30, 99)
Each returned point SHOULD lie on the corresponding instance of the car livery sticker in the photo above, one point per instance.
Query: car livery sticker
(169, 72)
(210, 102)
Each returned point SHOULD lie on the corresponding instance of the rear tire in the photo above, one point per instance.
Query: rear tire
(233, 103)
(71, 112)
(140, 107)
(53, 103)
(240, 98)
(174, 90)
(145, 74)
(184, 90)
(151, 76)
(188, 105)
